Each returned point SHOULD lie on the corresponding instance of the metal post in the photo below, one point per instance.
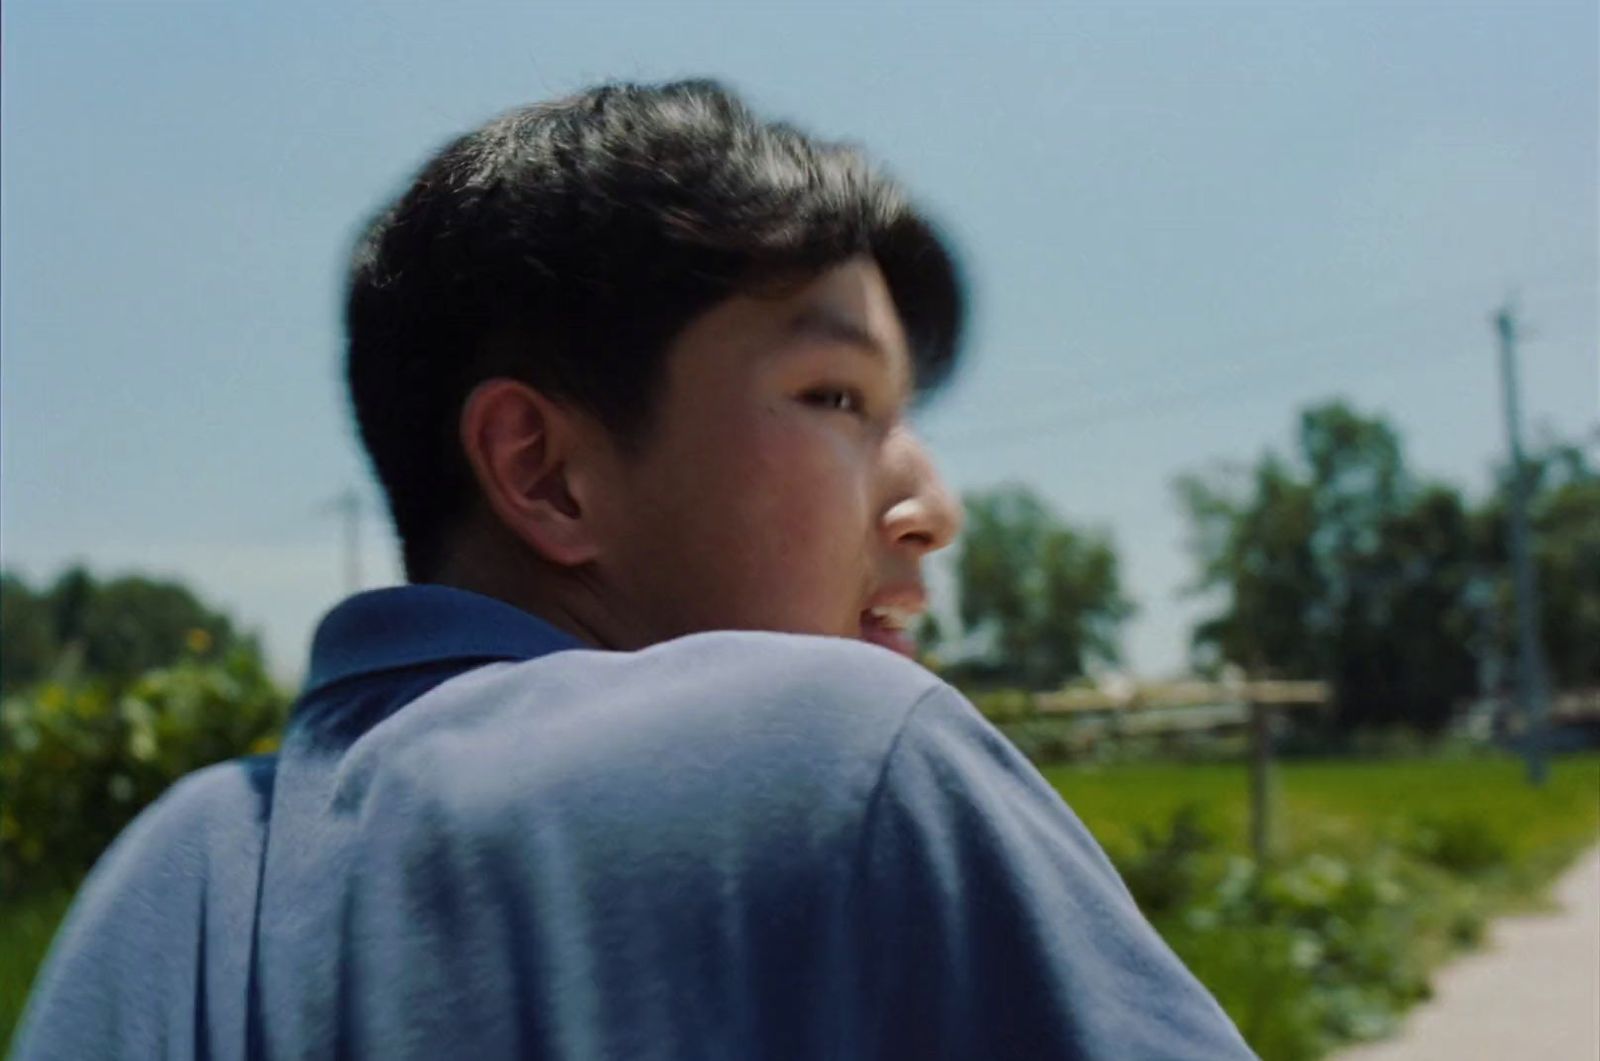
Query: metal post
(1531, 688)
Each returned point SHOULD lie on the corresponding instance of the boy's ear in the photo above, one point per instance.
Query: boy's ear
(521, 446)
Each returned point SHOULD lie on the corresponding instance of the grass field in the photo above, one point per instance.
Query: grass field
(1381, 869)
(1351, 807)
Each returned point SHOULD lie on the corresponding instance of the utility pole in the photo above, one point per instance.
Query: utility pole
(347, 504)
(1531, 688)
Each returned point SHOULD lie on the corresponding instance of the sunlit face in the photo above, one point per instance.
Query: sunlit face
(780, 487)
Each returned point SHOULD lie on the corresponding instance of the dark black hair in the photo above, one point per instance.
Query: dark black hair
(565, 244)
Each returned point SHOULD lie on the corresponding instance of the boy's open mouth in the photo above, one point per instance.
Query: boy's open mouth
(888, 625)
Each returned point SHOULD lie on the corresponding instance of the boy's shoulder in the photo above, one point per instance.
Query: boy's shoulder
(199, 814)
(733, 684)
(790, 725)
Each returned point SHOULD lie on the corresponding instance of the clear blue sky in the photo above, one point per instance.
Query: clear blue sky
(1182, 222)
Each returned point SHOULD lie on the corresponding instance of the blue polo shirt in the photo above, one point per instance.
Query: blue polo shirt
(482, 839)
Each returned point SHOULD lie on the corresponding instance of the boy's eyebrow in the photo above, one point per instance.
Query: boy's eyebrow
(817, 322)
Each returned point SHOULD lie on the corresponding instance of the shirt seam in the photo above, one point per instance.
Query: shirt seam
(875, 798)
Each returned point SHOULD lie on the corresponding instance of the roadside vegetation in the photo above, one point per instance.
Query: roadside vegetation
(110, 692)
(1381, 870)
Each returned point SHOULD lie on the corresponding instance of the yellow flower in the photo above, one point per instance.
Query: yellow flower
(142, 745)
(198, 640)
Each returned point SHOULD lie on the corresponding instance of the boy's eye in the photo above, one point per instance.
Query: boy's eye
(838, 399)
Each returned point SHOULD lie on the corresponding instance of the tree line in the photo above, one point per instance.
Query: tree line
(112, 630)
(1335, 561)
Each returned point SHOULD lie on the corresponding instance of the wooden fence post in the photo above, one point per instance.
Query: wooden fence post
(1260, 777)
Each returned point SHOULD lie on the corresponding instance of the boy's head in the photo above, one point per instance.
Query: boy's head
(639, 361)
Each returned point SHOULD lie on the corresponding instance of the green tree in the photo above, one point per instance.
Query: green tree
(1339, 565)
(1566, 523)
(1406, 650)
(1045, 596)
(1564, 516)
(1252, 533)
(28, 645)
(114, 630)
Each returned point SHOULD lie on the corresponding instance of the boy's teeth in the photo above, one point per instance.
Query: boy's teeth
(893, 618)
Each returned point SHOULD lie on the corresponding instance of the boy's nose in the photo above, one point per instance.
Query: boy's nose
(925, 515)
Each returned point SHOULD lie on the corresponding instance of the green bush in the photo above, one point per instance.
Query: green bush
(1167, 870)
(1383, 869)
(1459, 843)
(1311, 952)
(78, 760)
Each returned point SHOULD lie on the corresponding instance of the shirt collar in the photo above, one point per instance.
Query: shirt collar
(404, 626)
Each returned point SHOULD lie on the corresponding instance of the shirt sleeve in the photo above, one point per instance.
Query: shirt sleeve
(994, 926)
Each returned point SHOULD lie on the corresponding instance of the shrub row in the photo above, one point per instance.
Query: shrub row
(79, 759)
(1319, 949)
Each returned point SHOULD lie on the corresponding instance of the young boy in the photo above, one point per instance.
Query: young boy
(633, 766)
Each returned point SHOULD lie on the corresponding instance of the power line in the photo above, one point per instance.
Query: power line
(1066, 420)
(1338, 327)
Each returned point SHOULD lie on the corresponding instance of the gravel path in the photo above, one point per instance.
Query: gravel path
(1532, 993)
